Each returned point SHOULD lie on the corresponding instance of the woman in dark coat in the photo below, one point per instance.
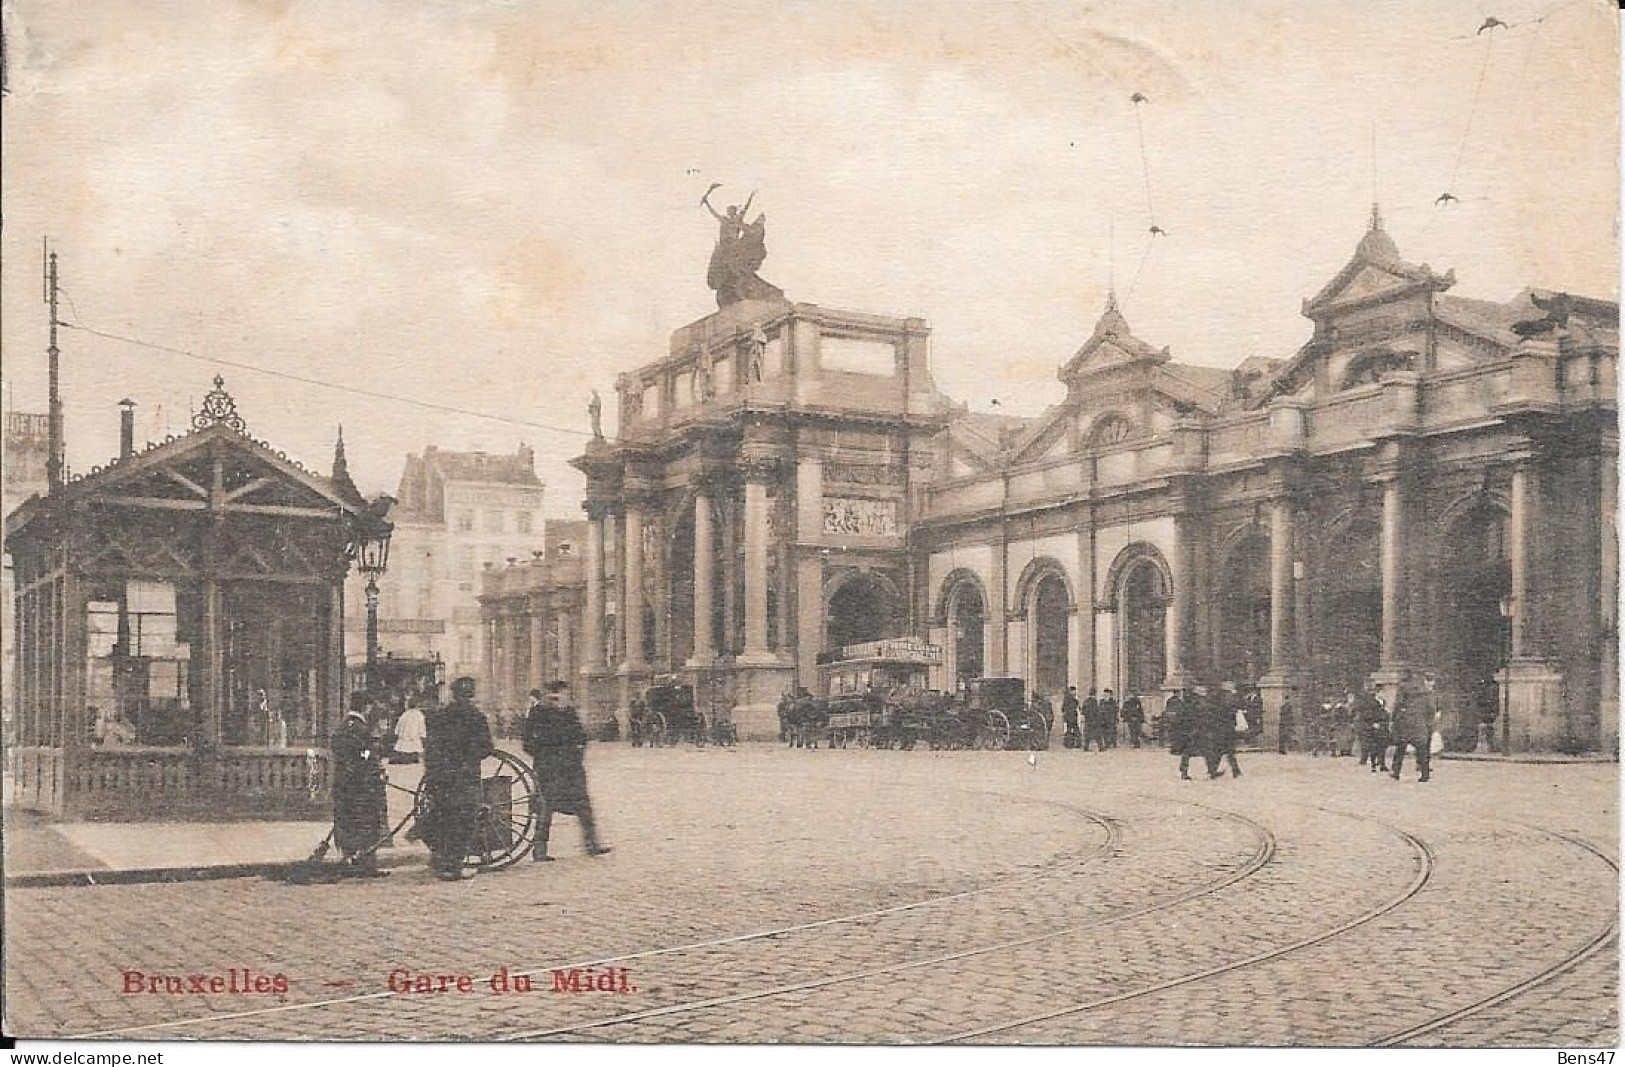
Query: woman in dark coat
(556, 743)
(358, 790)
(457, 738)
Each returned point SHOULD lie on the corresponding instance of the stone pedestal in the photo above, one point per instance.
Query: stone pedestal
(597, 697)
(1274, 689)
(1533, 715)
(631, 681)
(759, 682)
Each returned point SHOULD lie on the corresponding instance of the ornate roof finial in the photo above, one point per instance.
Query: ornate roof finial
(219, 407)
(1111, 298)
(1376, 216)
(342, 482)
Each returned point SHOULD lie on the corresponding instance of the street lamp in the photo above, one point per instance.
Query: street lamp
(370, 532)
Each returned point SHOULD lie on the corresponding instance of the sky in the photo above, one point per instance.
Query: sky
(493, 205)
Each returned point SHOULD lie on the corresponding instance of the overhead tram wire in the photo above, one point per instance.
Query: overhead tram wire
(356, 390)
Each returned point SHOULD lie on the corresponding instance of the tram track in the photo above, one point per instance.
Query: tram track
(1110, 843)
(1609, 935)
(1426, 865)
(1262, 855)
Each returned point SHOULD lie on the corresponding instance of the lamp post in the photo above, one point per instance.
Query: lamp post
(369, 548)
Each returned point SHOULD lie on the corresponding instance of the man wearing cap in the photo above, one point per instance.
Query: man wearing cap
(555, 742)
(359, 822)
(456, 739)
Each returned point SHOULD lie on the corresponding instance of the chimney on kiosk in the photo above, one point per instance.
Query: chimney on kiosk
(126, 428)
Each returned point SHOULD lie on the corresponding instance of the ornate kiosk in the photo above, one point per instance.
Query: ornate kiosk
(180, 629)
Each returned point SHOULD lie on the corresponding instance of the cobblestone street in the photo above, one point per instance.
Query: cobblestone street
(765, 894)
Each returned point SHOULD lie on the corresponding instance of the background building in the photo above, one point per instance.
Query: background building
(457, 514)
(22, 466)
(1421, 498)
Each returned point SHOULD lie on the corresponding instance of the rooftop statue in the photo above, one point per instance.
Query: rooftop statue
(741, 248)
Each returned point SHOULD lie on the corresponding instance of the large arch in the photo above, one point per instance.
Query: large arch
(1139, 588)
(859, 606)
(1047, 604)
(1242, 636)
(1346, 609)
(961, 610)
(1472, 634)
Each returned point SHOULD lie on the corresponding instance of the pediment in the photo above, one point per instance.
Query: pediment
(186, 469)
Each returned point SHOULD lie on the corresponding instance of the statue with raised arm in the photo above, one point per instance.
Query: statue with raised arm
(595, 412)
(739, 253)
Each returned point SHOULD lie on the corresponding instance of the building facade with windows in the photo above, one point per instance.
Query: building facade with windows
(1421, 498)
(457, 515)
(22, 475)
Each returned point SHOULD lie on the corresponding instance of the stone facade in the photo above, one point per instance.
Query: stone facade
(1424, 492)
(458, 516)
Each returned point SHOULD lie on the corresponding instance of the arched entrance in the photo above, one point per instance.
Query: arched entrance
(1348, 609)
(1049, 613)
(1474, 637)
(967, 621)
(1243, 652)
(860, 609)
(1143, 606)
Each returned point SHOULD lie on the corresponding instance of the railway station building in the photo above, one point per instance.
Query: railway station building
(1423, 495)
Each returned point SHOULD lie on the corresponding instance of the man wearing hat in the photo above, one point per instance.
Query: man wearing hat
(359, 819)
(456, 739)
(555, 742)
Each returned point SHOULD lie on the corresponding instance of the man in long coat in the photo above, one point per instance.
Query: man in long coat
(1219, 735)
(1133, 716)
(359, 822)
(456, 739)
(1180, 730)
(1092, 733)
(1413, 724)
(1108, 720)
(556, 742)
(1069, 716)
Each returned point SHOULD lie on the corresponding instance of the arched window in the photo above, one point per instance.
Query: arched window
(1111, 430)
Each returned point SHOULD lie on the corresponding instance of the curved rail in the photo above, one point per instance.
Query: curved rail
(1596, 944)
(1261, 857)
(1424, 874)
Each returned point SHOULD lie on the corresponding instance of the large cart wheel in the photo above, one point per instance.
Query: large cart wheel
(654, 730)
(505, 820)
(997, 730)
(505, 828)
(1037, 731)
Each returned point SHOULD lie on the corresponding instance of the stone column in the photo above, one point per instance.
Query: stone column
(632, 586)
(1281, 678)
(1179, 623)
(1393, 570)
(592, 618)
(760, 676)
(539, 671)
(756, 505)
(661, 581)
(488, 658)
(1535, 716)
(1520, 538)
(564, 622)
(704, 582)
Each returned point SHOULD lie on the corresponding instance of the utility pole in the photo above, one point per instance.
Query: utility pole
(54, 446)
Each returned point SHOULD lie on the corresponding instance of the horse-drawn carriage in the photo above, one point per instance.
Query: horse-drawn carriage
(669, 717)
(1008, 720)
